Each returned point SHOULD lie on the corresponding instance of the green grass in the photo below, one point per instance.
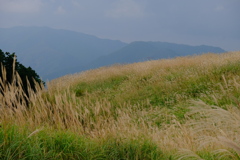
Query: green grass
(176, 86)
(65, 145)
(166, 109)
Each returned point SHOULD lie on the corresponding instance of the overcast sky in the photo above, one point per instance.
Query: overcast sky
(194, 22)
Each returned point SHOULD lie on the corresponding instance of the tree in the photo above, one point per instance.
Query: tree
(11, 65)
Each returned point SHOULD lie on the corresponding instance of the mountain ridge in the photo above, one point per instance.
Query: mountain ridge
(34, 45)
(57, 52)
(151, 51)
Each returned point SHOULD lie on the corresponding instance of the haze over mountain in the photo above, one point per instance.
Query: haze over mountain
(50, 51)
(54, 52)
(141, 51)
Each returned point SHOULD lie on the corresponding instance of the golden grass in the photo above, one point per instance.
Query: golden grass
(205, 127)
(204, 63)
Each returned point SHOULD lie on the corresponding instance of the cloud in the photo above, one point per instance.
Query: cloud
(126, 8)
(79, 6)
(76, 3)
(20, 6)
(60, 10)
(219, 8)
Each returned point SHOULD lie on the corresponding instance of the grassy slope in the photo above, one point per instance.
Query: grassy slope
(185, 107)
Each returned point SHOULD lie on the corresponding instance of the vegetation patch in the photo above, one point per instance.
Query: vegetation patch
(182, 108)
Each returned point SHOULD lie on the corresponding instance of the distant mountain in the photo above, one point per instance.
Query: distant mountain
(54, 52)
(142, 51)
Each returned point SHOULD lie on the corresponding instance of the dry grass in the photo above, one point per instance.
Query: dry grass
(204, 63)
(214, 128)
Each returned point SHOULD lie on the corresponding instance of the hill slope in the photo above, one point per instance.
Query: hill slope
(51, 51)
(182, 108)
(142, 51)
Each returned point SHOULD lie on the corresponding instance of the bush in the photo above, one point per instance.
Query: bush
(8, 68)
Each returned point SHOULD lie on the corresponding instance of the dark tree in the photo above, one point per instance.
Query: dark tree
(8, 60)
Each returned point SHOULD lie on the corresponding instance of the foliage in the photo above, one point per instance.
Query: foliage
(22, 144)
(27, 74)
(183, 108)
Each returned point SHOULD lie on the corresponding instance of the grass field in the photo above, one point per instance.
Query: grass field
(182, 108)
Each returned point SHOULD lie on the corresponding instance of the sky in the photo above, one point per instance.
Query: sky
(193, 22)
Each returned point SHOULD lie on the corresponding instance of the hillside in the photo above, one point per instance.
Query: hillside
(55, 52)
(181, 108)
(143, 51)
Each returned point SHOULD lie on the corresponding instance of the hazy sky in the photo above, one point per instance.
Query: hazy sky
(194, 22)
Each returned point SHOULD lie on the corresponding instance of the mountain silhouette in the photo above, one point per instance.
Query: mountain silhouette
(51, 51)
(142, 51)
(56, 52)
